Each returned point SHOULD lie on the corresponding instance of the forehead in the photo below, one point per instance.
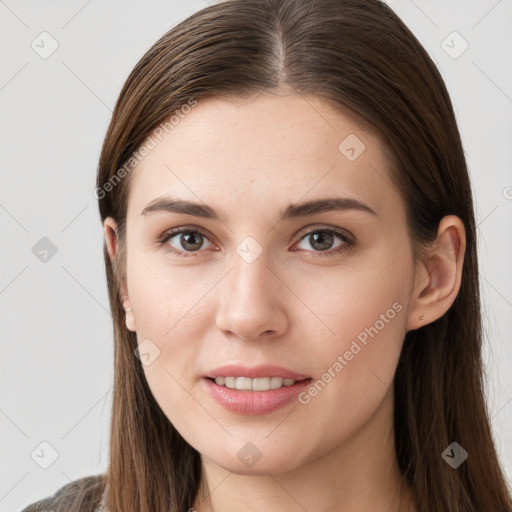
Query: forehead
(237, 155)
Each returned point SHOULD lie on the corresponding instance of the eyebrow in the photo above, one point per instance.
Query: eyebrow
(168, 204)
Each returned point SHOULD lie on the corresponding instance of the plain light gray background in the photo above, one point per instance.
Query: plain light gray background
(56, 342)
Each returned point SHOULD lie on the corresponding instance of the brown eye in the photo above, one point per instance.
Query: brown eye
(182, 240)
(321, 240)
(191, 240)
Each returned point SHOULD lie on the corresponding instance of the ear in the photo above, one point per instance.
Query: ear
(438, 274)
(111, 232)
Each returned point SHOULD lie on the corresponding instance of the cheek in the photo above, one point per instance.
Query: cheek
(166, 299)
(170, 311)
(171, 324)
(349, 302)
(363, 321)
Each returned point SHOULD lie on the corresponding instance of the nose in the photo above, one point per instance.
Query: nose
(252, 298)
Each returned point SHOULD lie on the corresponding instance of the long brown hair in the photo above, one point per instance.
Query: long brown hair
(360, 58)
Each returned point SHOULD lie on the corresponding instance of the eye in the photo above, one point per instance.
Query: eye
(189, 241)
(322, 239)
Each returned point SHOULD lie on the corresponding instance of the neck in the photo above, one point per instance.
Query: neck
(359, 475)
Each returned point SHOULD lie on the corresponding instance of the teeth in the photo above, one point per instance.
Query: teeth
(243, 383)
(230, 382)
(276, 382)
(259, 384)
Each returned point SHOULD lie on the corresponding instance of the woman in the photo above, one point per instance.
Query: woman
(291, 260)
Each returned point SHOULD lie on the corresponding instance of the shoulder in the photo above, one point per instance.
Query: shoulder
(82, 495)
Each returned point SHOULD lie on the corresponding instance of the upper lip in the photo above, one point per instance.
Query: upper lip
(253, 372)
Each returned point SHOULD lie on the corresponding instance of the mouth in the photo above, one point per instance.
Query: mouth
(254, 390)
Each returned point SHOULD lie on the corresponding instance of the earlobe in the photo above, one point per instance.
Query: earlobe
(439, 275)
(129, 319)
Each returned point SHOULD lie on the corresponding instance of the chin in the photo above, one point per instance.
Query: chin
(276, 463)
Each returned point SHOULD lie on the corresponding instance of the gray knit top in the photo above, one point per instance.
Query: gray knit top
(80, 495)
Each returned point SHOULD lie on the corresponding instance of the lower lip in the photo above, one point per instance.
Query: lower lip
(254, 402)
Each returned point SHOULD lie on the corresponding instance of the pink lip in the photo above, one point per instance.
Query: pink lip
(264, 370)
(254, 402)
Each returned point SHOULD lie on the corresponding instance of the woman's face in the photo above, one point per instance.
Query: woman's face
(262, 283)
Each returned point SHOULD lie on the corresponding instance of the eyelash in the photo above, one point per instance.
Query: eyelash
(348, 243)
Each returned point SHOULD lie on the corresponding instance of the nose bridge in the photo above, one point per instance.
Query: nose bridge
(250, 276)
(249, 294)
